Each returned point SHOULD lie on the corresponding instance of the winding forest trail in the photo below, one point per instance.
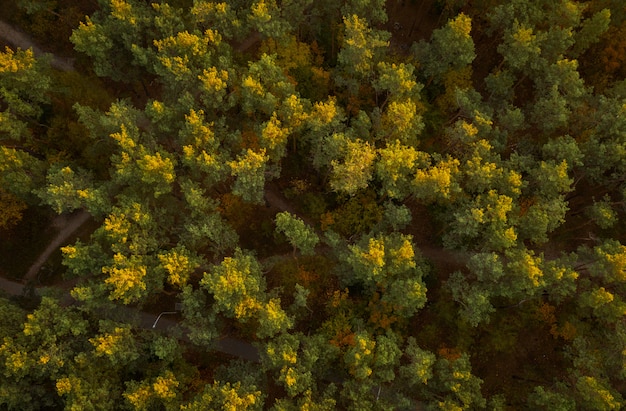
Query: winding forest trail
(17, 38)
(68, 227)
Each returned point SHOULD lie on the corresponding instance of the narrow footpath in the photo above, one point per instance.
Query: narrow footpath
(74, 222)
(17, 38)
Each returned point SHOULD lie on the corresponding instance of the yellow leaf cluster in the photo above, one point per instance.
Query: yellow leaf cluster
(122, 10)
(253, 85)
(437, 181)
(461, 24)
(600, 297)
(404, 255)
(156, 168)
(127, 279)
(528, 266)
(261, 12)
(178, 66)
(109, 344)
(618, 263)
(201, 132)
(15, 361)
(400, 116)
(191, 43)
(214, 79)
(139, 397)
(63, 386)
(275, 315)
(213, 37)
(123, 138)
(178, 267)
(325, 111)
(164, 386)
(117, 227)
(498, 206)
(11, 62)
(273, 133)
(294, 111)
(375, 253)
(289, 356)
(246, 307)
(355, 171)
(233, 401)
(360, 357)
(289, 375)
(249, 162)
(524, 36)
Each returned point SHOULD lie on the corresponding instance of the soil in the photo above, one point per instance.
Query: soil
(68, 224)
(10, 35)
(21, 244)
(410, 21)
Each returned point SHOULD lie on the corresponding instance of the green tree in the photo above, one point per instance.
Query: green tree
(300, 236)
(249, 173)
(450, 48)
(390, 265)
(239, 290)
(362, 48)
(226, 396)
(355, 171)
(24, 83)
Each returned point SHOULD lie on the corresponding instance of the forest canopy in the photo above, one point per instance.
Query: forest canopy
(378, 205)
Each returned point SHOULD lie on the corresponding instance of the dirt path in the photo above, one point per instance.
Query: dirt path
(276, 200)
(444, 259)
(11, 287)
(15, 37)
(70, 225)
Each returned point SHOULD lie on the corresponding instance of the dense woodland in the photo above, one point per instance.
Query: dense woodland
(405, 205)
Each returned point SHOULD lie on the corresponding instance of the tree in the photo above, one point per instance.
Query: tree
(68, 190)
(41, 350)
(179, 264)
(249, 170)
(238, 288)
(300, 236)
(456, 384)
(361, 50)
(437, 182)
(396, 166)
(236, 285)
(355, 171)
(388, 264)
(226, 396)
(23, 84)
(449, 48)
(484, 217)
(113, 37)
